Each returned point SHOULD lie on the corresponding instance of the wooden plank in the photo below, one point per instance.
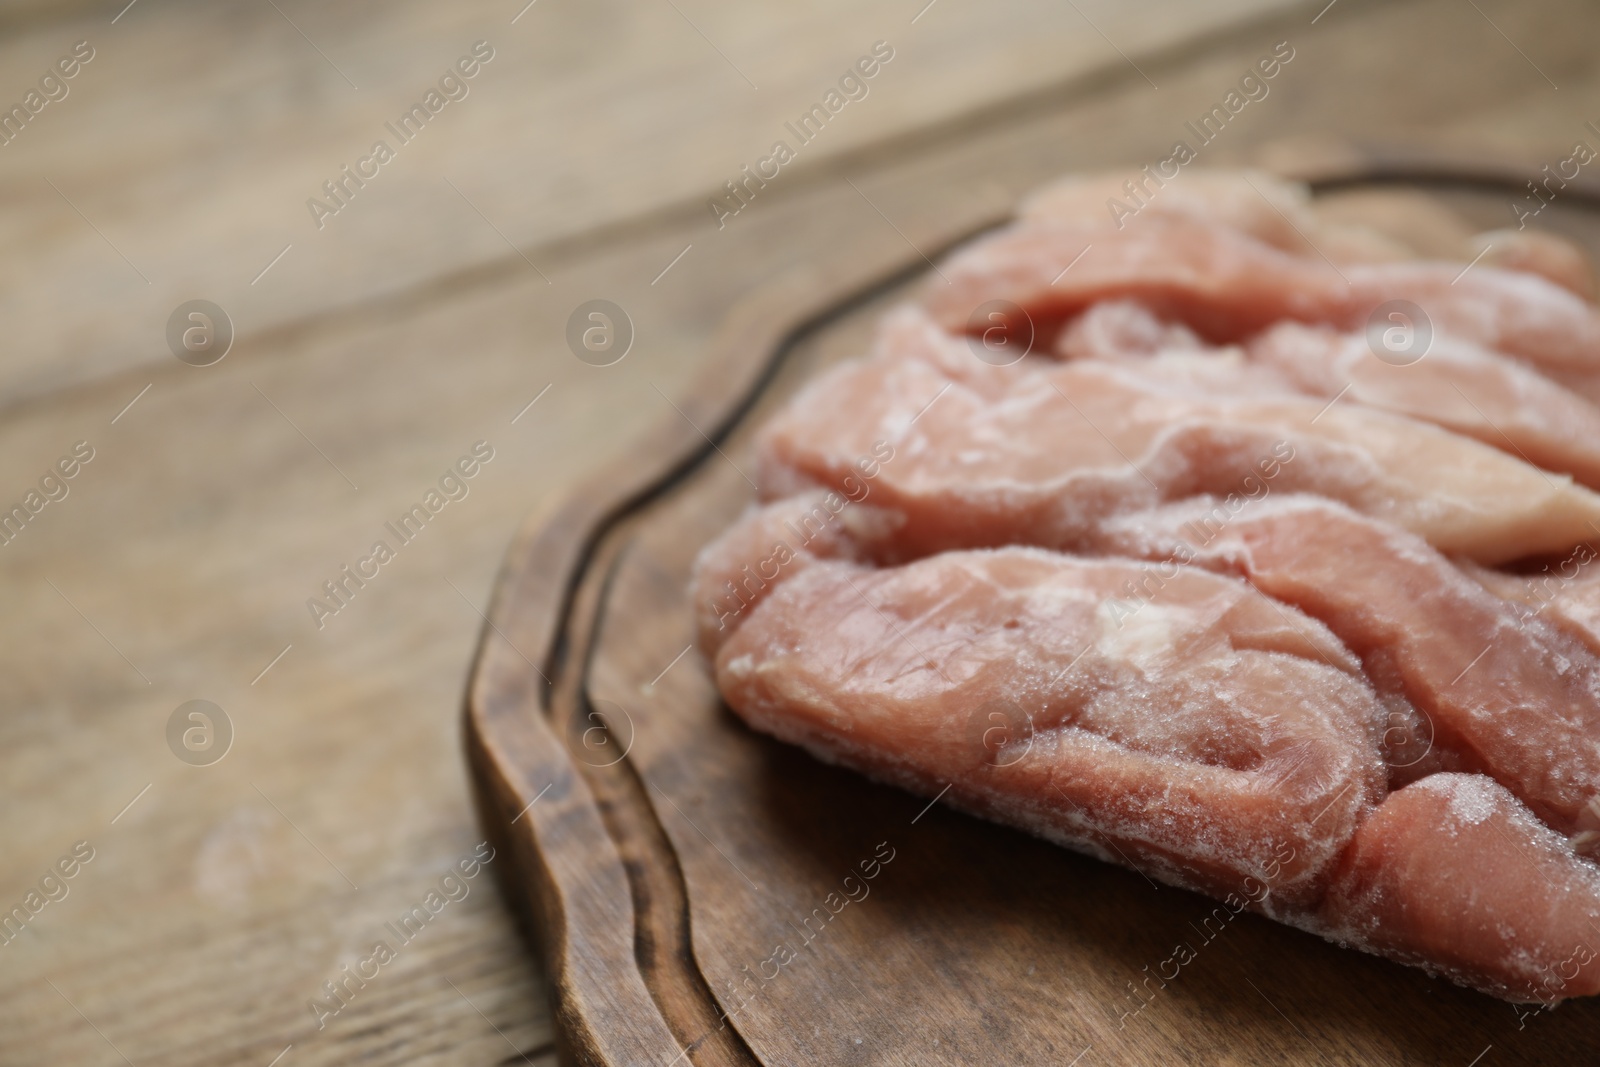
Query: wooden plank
(187, 149)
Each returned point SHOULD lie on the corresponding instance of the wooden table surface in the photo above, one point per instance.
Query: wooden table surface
(372, 353)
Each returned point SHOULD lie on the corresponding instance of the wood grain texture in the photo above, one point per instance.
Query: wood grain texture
(972, 941)
(195, 137)
(212, 914)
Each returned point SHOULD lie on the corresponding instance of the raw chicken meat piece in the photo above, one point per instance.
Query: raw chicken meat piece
(1452, 874)
(1188, 730)
(1482, 394)
(1168, 355)
(1497, 690)
(1565, 592)
(1116, 330)
(1039, 453)
(773, 543)
(1226, 285)
(1508, 695)
(1223, 283)
(1537, 252)
(1196, 735)
(1266, 207)
(1521, 314)
(1457, 385)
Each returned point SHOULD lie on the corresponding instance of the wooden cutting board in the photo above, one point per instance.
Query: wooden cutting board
(705, 894)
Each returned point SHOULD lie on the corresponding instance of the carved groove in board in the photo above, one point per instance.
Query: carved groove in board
(657, 891)
(544, 581)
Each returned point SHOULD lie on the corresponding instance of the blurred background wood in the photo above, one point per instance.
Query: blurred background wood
(377, 350)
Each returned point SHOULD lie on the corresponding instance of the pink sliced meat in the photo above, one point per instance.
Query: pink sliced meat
(1537, 252)
(1564, 592)
(1511, 696)
(1520, 314)
(1219, 281)
(1457, 385)
(1040, 452)
(1226, 285)
(1195, 736)
(1454, 875)
(1115, 331)
(1470, 390)
(1264, 206)
(772, 543)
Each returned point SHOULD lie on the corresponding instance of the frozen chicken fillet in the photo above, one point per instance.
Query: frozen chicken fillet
(1192, 582)
(907, 334)
(1457, 385)
(1521, 314)
(1168, 353)
(774, 542)
(1221, 282)
(1171, 720)
(1500, 692)
(1453, 874)
(1226, 285)
(1468, 680)
(1536, 252)
(1564, 592)
(1117, 330)
(1045, 450)
(1472, 391)
(1367, 227)
(1273, 211)
(1200, 734)
(734, 572)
